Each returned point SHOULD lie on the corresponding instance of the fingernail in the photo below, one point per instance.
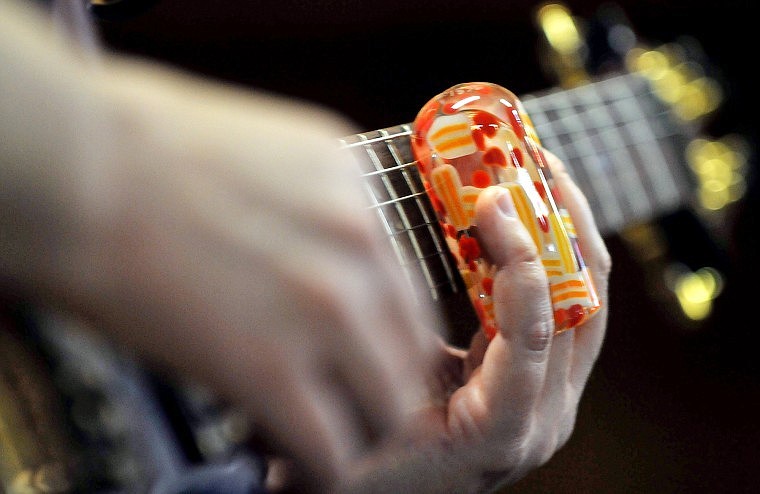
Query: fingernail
(505, 203)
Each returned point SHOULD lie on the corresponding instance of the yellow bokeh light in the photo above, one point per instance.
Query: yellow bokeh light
(559, 28)
(653, 64)
(696, 292)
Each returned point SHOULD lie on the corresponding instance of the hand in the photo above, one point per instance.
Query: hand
(221, 236)
(247, 258)
(514, 400)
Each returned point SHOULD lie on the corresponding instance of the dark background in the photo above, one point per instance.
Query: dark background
(670, 407)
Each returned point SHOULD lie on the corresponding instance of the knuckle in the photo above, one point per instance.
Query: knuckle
(603, 261)
(539, 337)
(323, 302)
(532, 271)
(525, 252)
(527, 277)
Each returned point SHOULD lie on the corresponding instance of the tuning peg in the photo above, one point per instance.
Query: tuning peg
(564, 46)
(678, 81)
(720, 169)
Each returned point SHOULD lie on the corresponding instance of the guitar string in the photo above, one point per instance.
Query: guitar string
(609, 209)
(623, 175)
(403, 234)
(619, 170)
(663, 169)
(640, 133)
(429, 218)
(352, 142)
(565, 153)
(573, 157)
(624, 163)
(665, 185)
(395, 141)
(630, 141)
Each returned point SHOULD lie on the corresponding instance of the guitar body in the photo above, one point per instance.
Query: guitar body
(670, 407)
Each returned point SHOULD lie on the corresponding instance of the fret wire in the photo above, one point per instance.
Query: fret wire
(574, 154)
(565, 114)
(610, 211)
(391, 202)
(658, 168)
(389, 169)
(410, 171)
(615, 89)
(601, 137)
(625, 169)
(548, 134)
(556, 98)
(406, 223)
(398, 249)
(642, 140)
(613, 144)
(407, 131)
(672, 141)
(544, 125)
(403, 166)
(555, 101)
(630, 141)
(598, 164)
(619, 89)
(415, 227)
(407, 171)
(430, 220)
(422, 259)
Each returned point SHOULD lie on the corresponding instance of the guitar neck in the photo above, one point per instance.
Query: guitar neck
(617, 140)
(620, 144)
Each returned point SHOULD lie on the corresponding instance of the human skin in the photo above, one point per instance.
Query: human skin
(220, 235)
(513, 401)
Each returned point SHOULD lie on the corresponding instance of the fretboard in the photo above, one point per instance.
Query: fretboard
(616, 138)
(620, 144)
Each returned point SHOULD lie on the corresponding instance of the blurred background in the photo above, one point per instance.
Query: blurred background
(673, 403)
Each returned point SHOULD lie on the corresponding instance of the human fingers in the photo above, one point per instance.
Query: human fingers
(593, 247)
(278, 244)
(573, 351)
(326, 244)
(295, 408)
(318, 190)
(514, 366)
(589, 337)
(367, 337)
(232, 264)
(326, 302)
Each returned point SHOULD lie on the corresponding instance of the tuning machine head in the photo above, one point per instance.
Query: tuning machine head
(677, 80)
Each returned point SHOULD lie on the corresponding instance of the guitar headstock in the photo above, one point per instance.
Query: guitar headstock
(576, 51)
